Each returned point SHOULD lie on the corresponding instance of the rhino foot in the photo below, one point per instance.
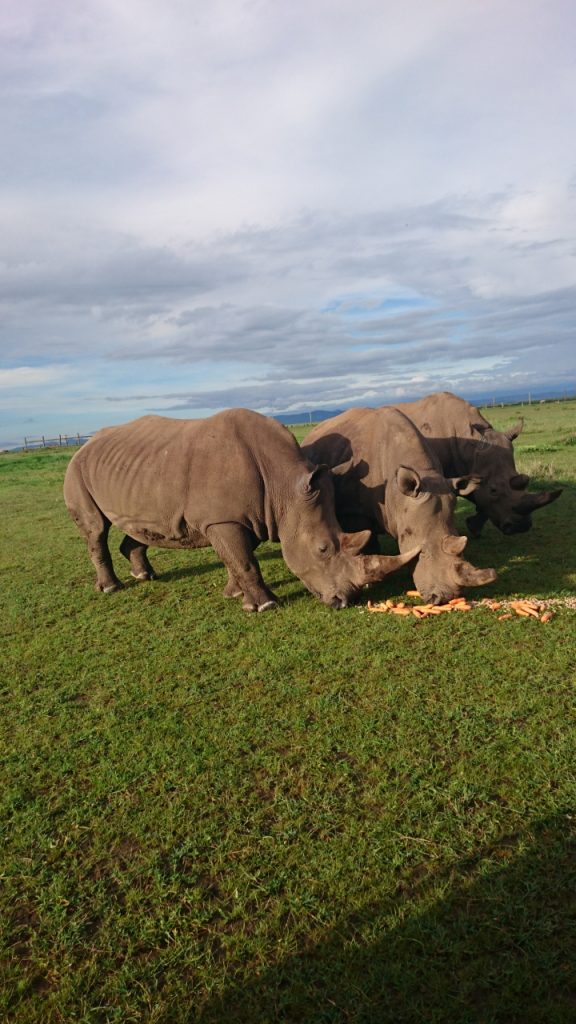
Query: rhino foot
(251, 606)
(110, 589)
(143, 575)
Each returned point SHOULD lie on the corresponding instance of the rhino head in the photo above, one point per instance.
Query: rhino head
(422, 511)
(320, 553)
(503, 496)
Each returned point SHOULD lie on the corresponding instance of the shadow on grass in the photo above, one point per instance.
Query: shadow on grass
(542, 561)
(499, 948)
(200, 568)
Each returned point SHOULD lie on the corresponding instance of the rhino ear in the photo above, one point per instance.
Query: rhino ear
(311, 479)
(464, 485)
(519, 482)
(454, 545)
(512, 432)
(408, 481)
(343, 469)
(352, 543)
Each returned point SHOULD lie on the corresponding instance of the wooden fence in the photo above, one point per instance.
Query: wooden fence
(62, 441)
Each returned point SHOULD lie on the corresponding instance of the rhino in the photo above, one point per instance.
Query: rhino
(229, 481)
(466, 443)
(388, 480)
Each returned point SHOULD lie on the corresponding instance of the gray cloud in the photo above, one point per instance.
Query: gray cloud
(370, 297)
(209, 208)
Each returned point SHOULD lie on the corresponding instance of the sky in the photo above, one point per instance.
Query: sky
(284, 206)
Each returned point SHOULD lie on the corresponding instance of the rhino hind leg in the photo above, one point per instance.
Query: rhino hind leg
(135, 552)
(234, 544)
(94, 527)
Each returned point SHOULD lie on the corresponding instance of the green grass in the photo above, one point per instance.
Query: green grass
(304, 816)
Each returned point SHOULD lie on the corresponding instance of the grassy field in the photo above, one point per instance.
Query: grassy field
(304, 816)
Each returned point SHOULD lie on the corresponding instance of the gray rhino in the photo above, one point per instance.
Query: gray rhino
(229, 481)
(465, 442)
(388, 480)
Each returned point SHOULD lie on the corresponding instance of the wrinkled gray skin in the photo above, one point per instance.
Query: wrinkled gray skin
(229, 481)
(389, 481)
(465, 443)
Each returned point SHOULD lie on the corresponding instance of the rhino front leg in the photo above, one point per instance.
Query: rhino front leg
(475, 523)
(232, 588)
(235, 546)
(135, 552)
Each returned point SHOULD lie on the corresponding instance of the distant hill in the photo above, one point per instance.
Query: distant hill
(314, 416)
(481, 400)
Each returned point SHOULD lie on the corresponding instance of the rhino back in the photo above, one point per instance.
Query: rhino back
(456, 430)
(162, 479)
(383, 438)
(445, 412)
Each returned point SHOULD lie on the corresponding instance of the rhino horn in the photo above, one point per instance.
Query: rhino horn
(376, 567)
(531, 501)
(470, 576)
(454, 545)
(512, 432)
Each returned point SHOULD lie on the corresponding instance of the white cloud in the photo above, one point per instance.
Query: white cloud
(21, 378)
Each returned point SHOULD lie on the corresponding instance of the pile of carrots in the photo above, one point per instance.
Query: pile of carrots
(523, 608)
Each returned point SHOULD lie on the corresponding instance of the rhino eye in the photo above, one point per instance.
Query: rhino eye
(322, 548)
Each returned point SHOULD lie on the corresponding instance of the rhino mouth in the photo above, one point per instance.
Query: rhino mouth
(336, 601)
(436, 599)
